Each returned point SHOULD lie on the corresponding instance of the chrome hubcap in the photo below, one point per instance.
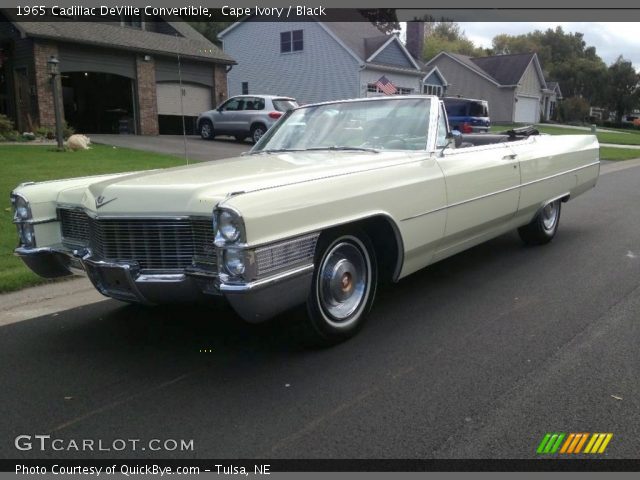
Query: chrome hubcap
(343, 280)
(206, 130)
(550, 215)
(257, 134)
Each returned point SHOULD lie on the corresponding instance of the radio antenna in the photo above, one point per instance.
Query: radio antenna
(184, 128)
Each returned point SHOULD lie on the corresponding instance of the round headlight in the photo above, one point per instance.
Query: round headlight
(229, 226)
(234, 262)
(22, 209)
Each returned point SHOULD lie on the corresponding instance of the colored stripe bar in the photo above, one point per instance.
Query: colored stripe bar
(551, 443)
(556, 446)
(581, 443)
(594, 437)
(605, 442)
(543, 443)
(567, 443)
(573, 445)
(596, 445)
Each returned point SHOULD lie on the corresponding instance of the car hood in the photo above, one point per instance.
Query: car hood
(197, 188)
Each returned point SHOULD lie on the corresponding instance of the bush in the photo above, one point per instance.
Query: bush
(50, 133)
(7, 133)
(6, 125)
(573, 109)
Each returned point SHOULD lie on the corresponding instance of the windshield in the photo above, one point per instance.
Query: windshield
(389, 124)
(284, 104)
(466, 108)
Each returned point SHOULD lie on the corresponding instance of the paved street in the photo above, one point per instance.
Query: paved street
(198, 150)
(475, 357)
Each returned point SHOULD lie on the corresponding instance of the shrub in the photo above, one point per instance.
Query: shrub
(573, 109)
(50, 133)
(7, 133)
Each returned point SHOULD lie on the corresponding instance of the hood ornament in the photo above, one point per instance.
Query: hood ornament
(101, 202)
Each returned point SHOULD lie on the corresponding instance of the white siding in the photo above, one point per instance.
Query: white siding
(371, 75)
(466, 83)
(530, 82)
(322, 71)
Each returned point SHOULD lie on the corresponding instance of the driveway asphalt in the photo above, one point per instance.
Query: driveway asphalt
(197, 149)
(477, 356)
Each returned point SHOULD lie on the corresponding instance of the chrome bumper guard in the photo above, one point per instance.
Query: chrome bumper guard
(255, 301)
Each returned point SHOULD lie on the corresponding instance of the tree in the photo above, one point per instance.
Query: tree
(385, 19)
(564, 57)
(623, 93)
(448, 37)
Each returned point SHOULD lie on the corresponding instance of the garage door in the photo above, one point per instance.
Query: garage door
(527, 110)
(195, 99)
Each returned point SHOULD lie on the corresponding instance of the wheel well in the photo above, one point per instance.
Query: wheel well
(255, 124)
(202, 120)
(387, 243)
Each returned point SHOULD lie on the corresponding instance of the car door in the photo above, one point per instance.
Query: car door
(247, 114)
(483, 188)
(225, 117)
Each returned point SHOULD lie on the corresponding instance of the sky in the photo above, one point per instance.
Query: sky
(610, 39)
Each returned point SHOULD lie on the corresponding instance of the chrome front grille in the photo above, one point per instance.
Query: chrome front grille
(155, 243)
(291, 253)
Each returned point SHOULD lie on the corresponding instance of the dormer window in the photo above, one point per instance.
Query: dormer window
(292, 41)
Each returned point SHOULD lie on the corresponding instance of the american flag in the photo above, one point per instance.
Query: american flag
(386, 86)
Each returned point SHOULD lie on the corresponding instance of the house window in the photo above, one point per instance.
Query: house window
(433, 90)
(373, 88)
(291, 41)
(245, 88)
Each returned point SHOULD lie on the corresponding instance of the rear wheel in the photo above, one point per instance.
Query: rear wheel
(343, 287)
(257, 131)
(206, 130)
(544, 226)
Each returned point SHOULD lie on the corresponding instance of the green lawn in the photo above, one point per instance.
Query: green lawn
(19, 163)
(630, 138)
(612, 153)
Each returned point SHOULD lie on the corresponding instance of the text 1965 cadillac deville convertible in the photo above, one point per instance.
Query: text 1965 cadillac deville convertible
(333, 199)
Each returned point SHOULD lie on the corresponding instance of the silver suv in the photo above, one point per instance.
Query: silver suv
(244, 116)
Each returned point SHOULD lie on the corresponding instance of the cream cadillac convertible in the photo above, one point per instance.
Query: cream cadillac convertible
(334, 199)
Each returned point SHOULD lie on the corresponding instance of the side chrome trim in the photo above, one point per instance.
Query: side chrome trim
(265, 282)
(532, 182)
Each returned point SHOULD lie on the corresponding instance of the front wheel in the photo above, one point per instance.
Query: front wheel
(206, 130)
(343, 287)
(544, 226)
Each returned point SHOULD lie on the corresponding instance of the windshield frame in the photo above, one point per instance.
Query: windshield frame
(432, 122)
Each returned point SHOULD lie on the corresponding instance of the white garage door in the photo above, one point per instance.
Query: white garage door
(195, 99)
(527, 110)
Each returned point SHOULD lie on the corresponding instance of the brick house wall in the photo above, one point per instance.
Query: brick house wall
(220, 91)
(146, 93)
(44, 93)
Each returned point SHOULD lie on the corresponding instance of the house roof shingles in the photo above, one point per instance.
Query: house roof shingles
(362, 38)
(190, 45)
(506, 69)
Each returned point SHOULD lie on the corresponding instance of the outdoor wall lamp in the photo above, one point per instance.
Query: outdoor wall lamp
(53, 66)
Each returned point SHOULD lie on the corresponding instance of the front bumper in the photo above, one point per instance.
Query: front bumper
(255, 301)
